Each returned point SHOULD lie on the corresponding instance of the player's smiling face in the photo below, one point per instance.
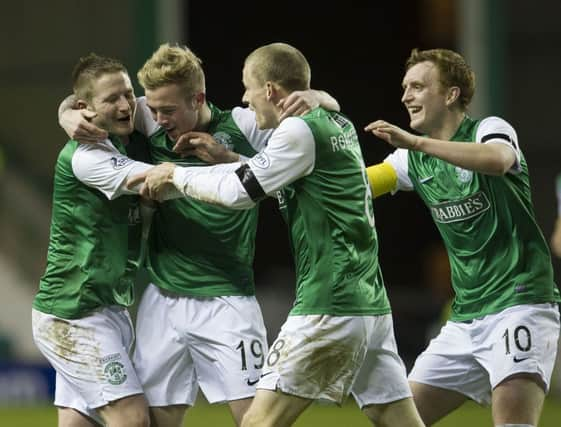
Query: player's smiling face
(424, 97)
(258, 100)
(113, 101)
(173, 110)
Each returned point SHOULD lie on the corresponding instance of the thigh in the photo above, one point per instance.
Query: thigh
(518, 400)
(162, 357)
(129, 411)
(398, 413)
(518, 340)
(434, 403)
(449, 363)
(382, 377)
(68, 417)
(228, 343)
(270, 408)
(91, 355)
(316, 356)
(167, 416)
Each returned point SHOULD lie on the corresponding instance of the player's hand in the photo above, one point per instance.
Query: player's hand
(156, 182)
(77, 125)
(205, 147)
(298, 103)
(392, 134)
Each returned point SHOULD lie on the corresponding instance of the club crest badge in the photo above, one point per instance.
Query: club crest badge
(115, 373)
(224, 139)
(464, 175)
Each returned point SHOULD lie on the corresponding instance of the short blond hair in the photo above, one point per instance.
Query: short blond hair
(90, 68)
(282, 64)
(453, 70)
(173, 65)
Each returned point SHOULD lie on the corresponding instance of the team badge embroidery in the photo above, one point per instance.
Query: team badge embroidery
(115, 373)
(224, 139)
(464, 175)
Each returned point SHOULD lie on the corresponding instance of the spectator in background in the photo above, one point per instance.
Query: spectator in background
(500, 343)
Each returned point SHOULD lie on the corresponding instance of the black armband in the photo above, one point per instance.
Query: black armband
(250, 183)
(498, 136)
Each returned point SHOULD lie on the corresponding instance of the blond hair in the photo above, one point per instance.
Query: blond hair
(89, 68)
(454, 71)
(282, 64)
(173, 65)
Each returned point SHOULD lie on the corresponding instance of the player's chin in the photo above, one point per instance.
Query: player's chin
(122, 128)
(416, 123)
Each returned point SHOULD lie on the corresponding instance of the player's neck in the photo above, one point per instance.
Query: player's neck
(449, 126)
(205, 116)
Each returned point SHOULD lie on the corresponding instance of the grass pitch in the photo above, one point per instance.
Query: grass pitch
(205, 415)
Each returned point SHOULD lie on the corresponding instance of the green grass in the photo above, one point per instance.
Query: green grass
(469, 415)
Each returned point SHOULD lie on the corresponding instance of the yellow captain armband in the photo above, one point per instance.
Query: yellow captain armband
(382, 178)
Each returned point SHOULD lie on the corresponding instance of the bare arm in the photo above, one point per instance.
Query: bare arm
(77, 123)
(489, 158)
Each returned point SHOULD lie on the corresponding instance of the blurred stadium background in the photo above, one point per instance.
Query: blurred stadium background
(356, 51)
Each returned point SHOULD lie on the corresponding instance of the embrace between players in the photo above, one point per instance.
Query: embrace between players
(199, 324)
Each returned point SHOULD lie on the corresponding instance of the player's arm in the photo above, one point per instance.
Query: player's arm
(103, 167)
(289, 155)
(77, 122)
(301, 102)
(556, 235)
(495, 155)
(382, 178)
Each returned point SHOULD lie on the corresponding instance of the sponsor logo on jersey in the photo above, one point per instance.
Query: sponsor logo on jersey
(459, 210)
(224, 139)
(261, 161)
(120, 162)
(464, 175)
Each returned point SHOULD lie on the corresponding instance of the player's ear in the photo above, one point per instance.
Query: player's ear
(81, 104)
(200, 99)
(452, 95)
(272, 91)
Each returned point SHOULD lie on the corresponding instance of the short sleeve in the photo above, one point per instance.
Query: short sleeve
(494, 130)
(399, 159)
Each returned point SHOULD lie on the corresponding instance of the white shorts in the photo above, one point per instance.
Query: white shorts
(472, 358)
(90, 356)
(183, 342)
(326, 357)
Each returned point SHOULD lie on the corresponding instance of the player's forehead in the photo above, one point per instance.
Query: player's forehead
(421, 73)
(111, 84)
(166, 95)
(248, 75)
